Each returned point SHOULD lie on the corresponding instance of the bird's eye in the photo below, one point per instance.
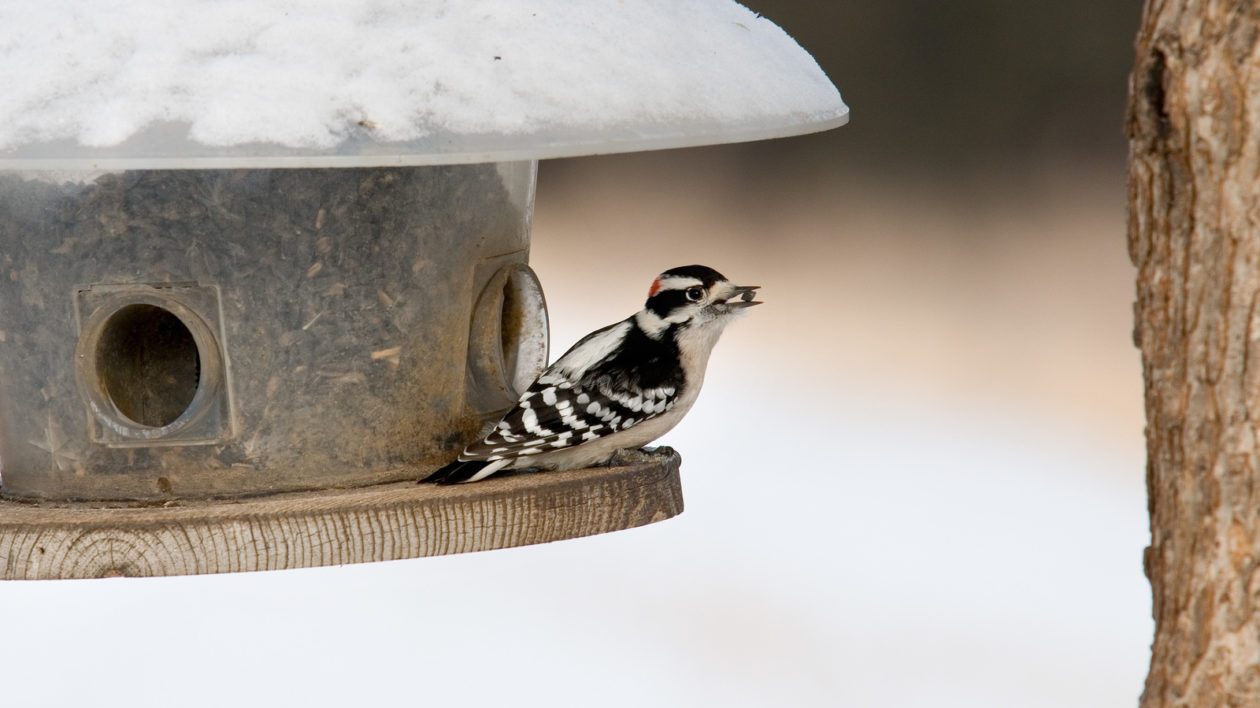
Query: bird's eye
(695, 294)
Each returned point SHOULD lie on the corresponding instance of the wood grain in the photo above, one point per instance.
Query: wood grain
(334, 527)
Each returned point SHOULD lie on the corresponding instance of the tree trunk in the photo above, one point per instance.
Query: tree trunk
(1194, 234)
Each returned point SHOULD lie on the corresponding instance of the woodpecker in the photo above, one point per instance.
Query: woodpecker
(619, 387)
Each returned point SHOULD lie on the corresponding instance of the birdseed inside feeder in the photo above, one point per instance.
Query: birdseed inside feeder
(265, 268)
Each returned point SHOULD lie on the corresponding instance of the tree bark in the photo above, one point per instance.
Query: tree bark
(1194, 234)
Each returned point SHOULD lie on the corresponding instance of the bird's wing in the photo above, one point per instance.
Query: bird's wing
(583, 396)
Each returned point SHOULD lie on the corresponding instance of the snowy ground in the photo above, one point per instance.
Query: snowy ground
(914, 479)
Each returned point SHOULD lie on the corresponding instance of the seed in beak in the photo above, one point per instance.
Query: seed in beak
(746, 294)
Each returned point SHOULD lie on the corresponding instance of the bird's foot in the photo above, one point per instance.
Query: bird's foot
(629, 456)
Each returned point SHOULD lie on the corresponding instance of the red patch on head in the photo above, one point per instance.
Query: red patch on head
(656, 285)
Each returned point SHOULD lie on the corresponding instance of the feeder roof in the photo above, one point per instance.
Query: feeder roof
(205, 83)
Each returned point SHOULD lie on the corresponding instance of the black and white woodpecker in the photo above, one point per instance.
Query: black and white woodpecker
(619, 387)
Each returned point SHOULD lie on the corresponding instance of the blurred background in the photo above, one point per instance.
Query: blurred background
(915, 477)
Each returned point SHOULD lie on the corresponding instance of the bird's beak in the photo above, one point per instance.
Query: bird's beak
(745, 293)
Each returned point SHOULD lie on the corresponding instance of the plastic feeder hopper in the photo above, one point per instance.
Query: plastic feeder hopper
(259, 273)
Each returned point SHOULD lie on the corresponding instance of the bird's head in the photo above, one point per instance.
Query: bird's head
(694, 296)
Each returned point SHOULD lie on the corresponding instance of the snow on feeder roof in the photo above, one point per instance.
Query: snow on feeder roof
(189, 83)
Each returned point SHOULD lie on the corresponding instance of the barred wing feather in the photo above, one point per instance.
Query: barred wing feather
(576, 400)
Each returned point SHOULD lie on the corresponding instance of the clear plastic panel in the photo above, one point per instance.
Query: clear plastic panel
(197, 333)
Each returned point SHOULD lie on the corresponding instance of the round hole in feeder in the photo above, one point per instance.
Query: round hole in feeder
(519, 324)
(508, 340)
(148, 364)
(522, 328)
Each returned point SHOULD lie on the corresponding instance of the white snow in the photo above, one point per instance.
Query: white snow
(468, 79)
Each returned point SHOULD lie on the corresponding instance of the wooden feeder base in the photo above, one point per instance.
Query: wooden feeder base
(334, 527)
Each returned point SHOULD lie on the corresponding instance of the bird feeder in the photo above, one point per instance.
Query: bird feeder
(261, 270)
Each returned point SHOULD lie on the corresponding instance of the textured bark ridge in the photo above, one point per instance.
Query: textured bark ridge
(1194, 234)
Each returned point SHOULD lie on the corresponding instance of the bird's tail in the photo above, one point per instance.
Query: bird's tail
(465, 471)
